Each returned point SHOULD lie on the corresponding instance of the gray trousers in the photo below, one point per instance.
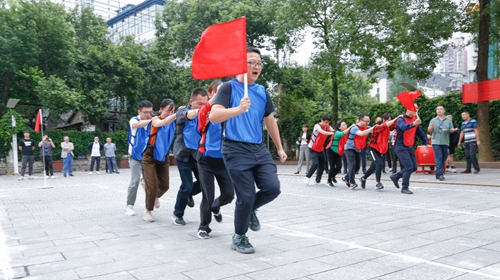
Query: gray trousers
(304, 152)
(27, 159)
(135, 177)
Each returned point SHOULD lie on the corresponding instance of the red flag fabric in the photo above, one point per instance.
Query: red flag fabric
(38, 121)
(414, 94)
(222, 51)
(407, 100)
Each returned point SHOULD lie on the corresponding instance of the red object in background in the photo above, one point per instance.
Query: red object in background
(38, 121)
(414, 94)
(407, 100)
(222, 51)
(481, 91)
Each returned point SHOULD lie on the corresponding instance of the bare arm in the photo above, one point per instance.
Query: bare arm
(365, 132)
(460, 139)
(325, 132)
(476, 131)
(166, 121)
(141, 123)
(220, 114)
(274, 132)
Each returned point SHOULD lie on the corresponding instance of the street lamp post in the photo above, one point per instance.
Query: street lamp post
(11, 103)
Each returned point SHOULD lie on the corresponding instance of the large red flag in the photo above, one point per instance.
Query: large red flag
(408, 99)
(222, 51)
(38, 121)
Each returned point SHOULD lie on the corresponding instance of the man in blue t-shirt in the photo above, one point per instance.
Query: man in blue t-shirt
(470, 135)
(247, 159)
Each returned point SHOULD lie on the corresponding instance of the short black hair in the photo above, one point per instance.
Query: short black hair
(26, 131)
(386, 116)
(166, 102)
(252, 49)
(326, 117)
(362, 116)
(339, 123)
(144, 103)
(198, 91)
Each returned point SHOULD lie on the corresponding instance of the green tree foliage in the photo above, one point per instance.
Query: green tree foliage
(55, 94)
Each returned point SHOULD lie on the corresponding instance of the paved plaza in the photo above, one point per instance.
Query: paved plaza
(78, 230)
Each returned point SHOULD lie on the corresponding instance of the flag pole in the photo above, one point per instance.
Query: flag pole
(245, 80)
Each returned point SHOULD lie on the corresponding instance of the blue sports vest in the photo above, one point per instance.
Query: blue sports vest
(213, 140)
(141, 139)
(191, 135)
(164, 138)
(246, 127)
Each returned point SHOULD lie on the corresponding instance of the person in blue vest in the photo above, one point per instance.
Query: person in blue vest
(210, 166)
(407, 127)
(185, 151)
(355, 143)
(137, 142)
(246, 156)
(155, 159)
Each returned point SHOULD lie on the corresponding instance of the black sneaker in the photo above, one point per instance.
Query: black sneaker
(218, 217)
(190, 201)
(241, 245)
(363, 182)
(330, 184)
(203, 234)
(379, 186)
(394, 180)
(178, 220)
(334, 180)
(254, 222)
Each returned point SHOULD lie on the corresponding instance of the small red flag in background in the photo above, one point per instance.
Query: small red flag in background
(408, 99)
(222, 51)
(38, 121)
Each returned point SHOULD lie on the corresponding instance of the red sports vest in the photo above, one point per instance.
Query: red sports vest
(380, 140)
(319, 143)
(409, 135)
(342, 142)
(360, 141)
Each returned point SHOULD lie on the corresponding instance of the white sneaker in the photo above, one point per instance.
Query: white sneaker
(21, 178)
(307, 180)
(47, 177)
(52, 177)
(97, 172)
(30, 177)
(90, 173)
(453, 170)
(129, 211)
(148, 217)
(157, 203)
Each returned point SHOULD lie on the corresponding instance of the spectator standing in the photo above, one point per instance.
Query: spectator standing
(304, 151)
(27, 146)
(67, 156)
(470, 135)
(109, 153)
(440, 128)
(46, 146)
(450, 164)
(95, 149)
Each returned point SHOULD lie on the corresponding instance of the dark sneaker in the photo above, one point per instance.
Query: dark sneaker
(345, 181)
(178, 220)
(379, 186)
(334, 180)
(190, 201)
(241, 245)
(466, 172)
(330, 184)
(394, 180)
(441, 178)
(254, 222)
(476, 171)
(363, 182)
(353, 186)
(218, 217)
(406, 191)
(203, 234)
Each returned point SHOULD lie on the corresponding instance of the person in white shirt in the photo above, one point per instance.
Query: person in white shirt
(95, 149)
(303, 148)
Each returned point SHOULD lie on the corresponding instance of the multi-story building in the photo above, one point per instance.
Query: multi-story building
(454, 64)
(104, 8)
(137, 20)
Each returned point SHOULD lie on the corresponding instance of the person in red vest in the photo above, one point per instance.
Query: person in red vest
(355, 143)
(336, 150)
(378, 147)
(320, 132)
(407, 127)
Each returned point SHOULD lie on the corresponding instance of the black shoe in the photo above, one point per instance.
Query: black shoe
(241, 245)
(71, 175)
(363, 182)
(394, 180)
(357, 172)
(190, 201)
(476, 171)
(466, 172)
(178, 220)
(296, 172)
(203, 234)
(254, 222)
(441, 178)
(117, 172)
(379, 186)
(330, 184)
(218, 217)
(334, 180)
(406, 191)
(64, 175)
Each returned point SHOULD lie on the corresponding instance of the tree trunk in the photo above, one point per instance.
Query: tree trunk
(335, 97)
(483, 108)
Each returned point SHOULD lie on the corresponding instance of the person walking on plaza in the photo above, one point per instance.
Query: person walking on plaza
(377, 148)
(67, 156)
(303, 149)
(27, 146)
(336, 150)
(186, 142)
(155, 159)
(355, 143)
(317, 145)
(95, 149)
(440, 128)
(137, 142)
(470, 135)
(210, 166)
(245, 155)
(453, 144)
(46, 146)
(407, 127)
(109, 153)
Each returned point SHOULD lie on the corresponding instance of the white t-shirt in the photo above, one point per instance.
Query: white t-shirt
(95, 150)
(304, 139)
